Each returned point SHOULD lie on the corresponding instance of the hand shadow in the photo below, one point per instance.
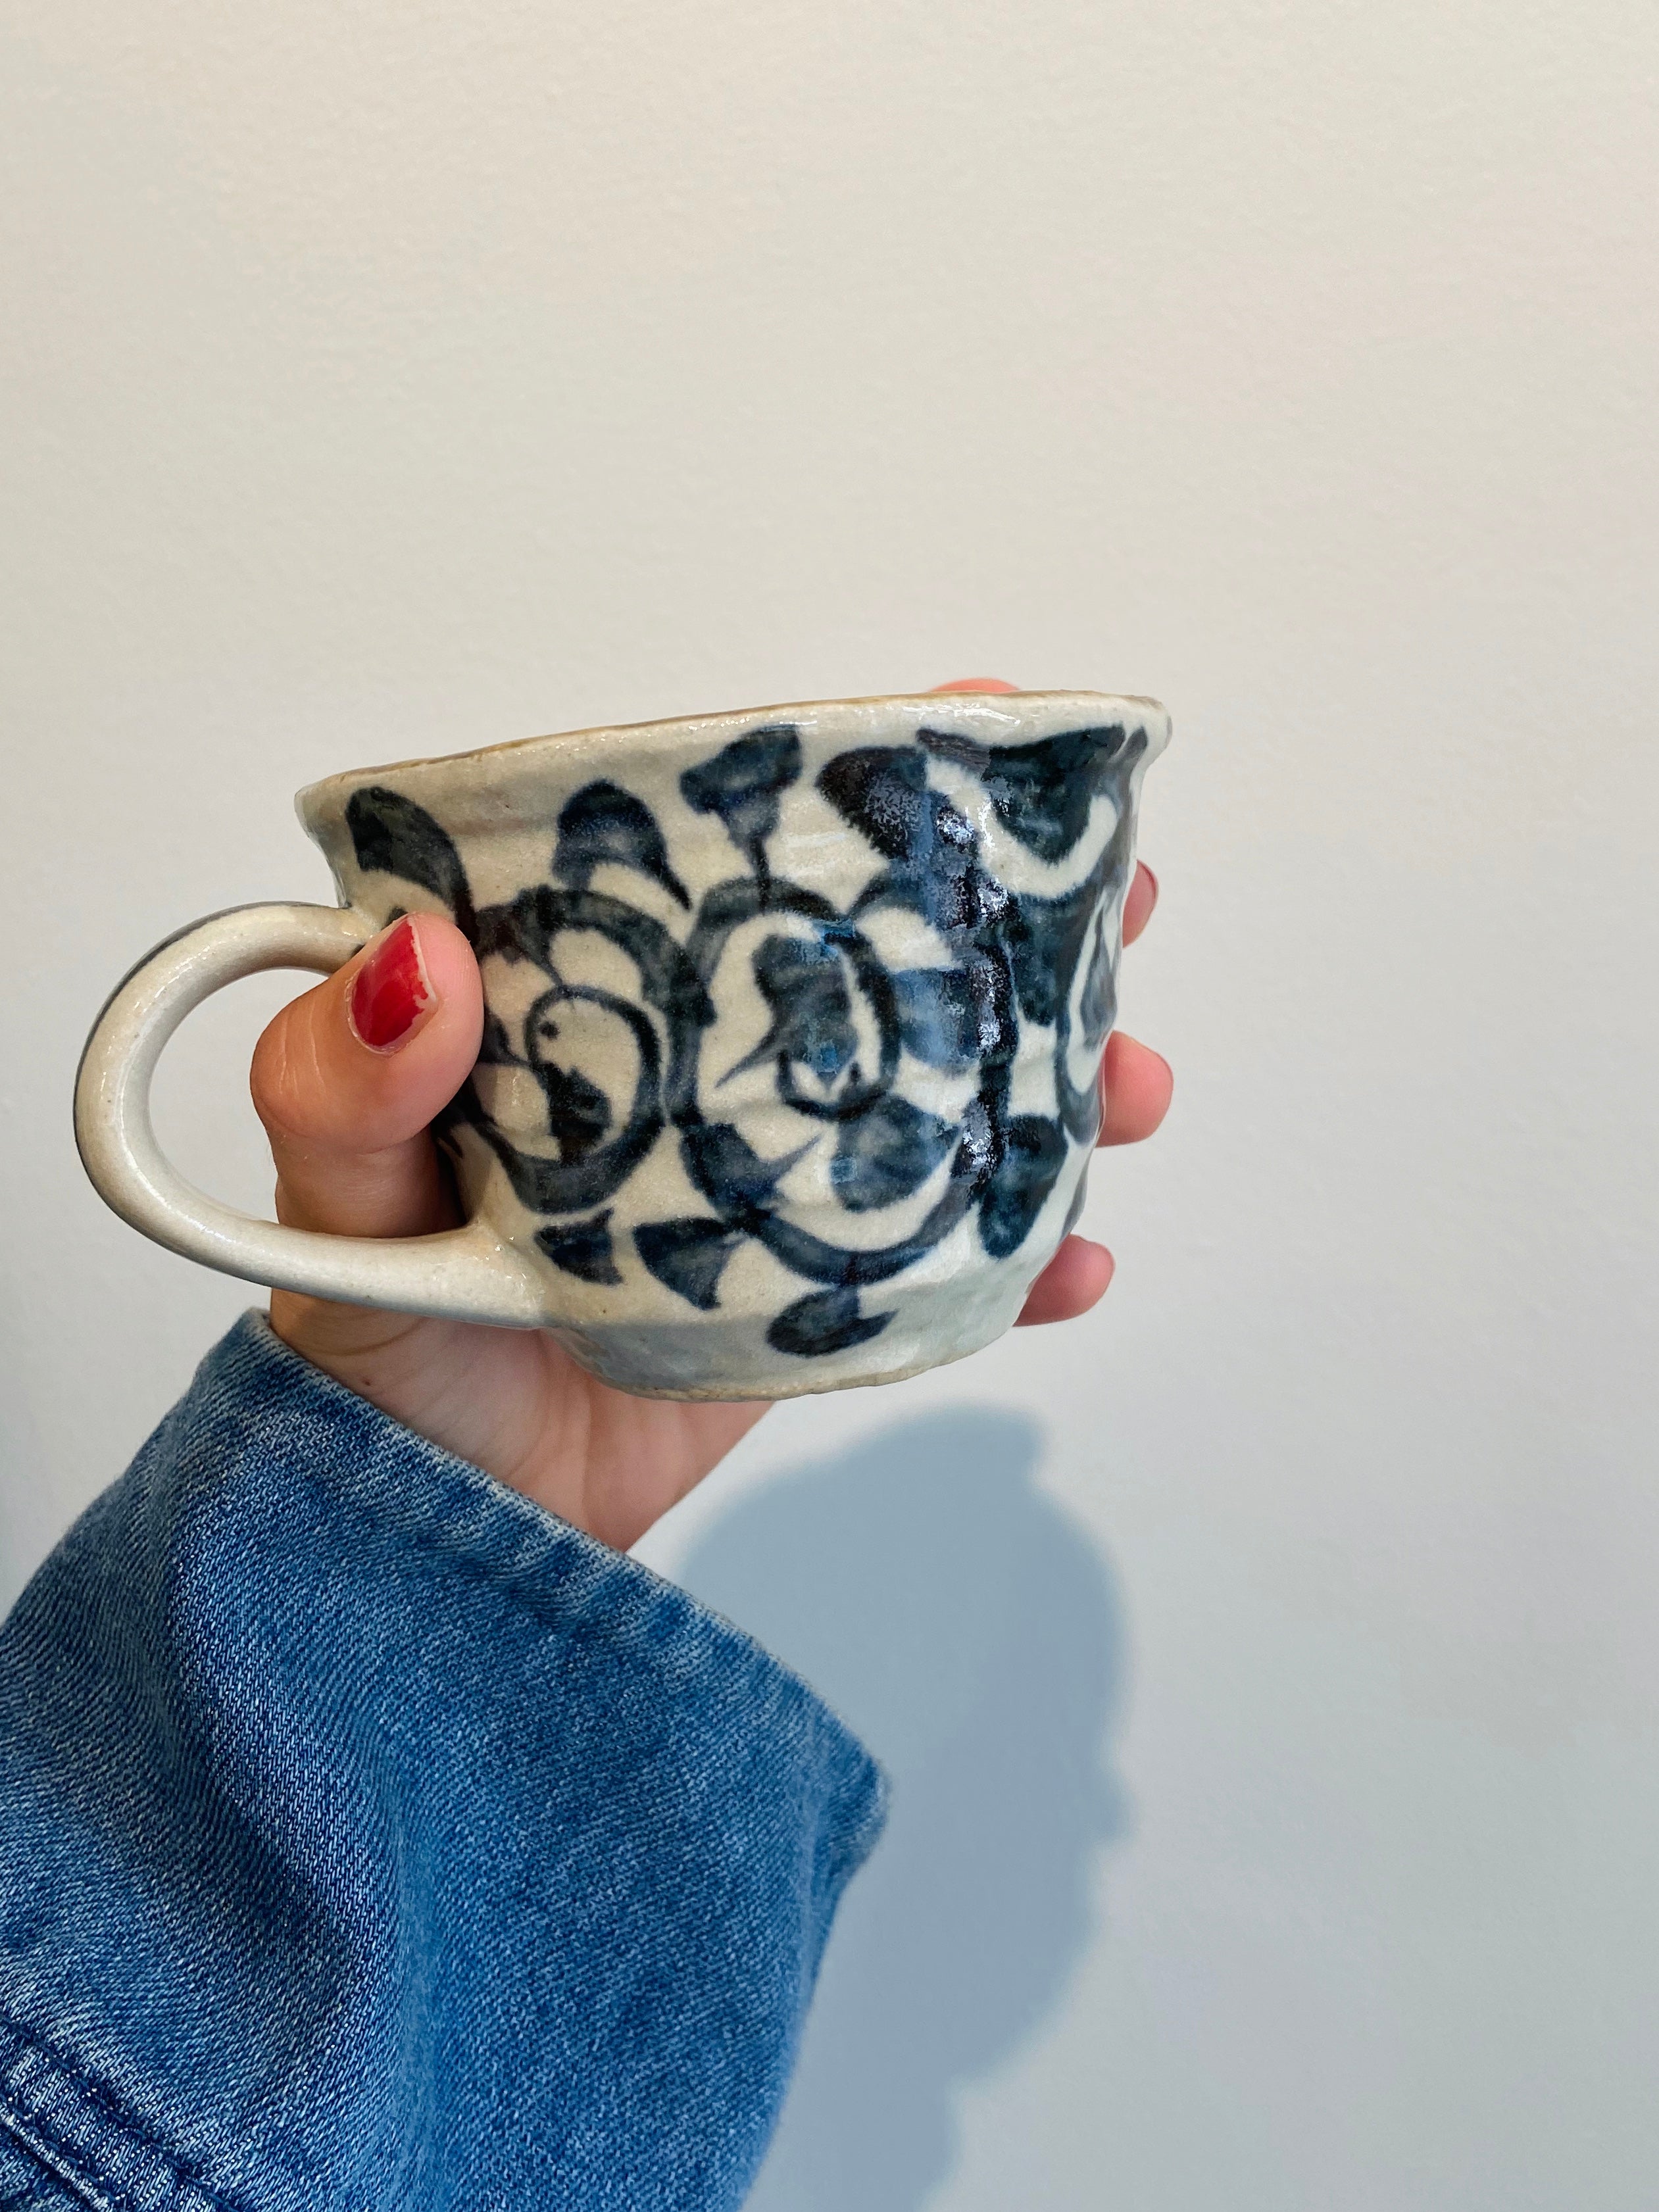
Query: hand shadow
(971, 1634)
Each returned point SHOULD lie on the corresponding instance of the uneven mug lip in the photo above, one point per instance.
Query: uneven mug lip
(1011, 707)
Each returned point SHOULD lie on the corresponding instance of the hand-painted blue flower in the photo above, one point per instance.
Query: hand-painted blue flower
(887, 1152)
(604, 823)
(741, 784)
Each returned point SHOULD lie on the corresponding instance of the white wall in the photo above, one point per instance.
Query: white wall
(1269, 1664)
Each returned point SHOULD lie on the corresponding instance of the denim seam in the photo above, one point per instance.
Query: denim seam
(33, 2042)
(66, 2169)
(32, 2128)
(46, 2189)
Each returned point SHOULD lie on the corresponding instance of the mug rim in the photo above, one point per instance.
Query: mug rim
(314, 798)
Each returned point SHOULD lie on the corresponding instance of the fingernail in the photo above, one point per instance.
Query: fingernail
(1152, 880)
(391, 991)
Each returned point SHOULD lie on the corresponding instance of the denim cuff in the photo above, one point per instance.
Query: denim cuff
(370, 1837)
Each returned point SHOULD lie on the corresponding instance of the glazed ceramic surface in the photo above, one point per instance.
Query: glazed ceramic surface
(793, 1023)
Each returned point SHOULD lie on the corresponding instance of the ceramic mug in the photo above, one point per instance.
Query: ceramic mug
(792, 1031)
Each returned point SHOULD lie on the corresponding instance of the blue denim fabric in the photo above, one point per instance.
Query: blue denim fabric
(369, 1838)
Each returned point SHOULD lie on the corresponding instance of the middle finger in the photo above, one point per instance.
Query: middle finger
(1136, 1084)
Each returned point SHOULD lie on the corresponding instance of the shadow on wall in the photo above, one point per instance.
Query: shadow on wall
(970, 1634)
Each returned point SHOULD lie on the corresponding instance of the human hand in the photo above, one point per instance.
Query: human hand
(348, 1120)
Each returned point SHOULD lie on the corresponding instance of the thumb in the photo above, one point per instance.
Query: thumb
(346, 1077)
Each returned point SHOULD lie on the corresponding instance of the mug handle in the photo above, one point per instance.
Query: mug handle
(462, 1274)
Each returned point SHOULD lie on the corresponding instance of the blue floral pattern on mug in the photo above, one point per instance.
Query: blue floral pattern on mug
(916, 1052)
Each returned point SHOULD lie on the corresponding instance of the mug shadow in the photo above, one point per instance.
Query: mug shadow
(973, 1637)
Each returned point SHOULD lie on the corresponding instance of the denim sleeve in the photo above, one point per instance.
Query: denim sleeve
(370, 1838)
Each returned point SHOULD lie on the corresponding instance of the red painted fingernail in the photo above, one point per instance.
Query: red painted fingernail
(1152, 880)
(392, 990)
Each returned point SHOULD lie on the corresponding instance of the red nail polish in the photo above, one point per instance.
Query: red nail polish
(390, 992)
